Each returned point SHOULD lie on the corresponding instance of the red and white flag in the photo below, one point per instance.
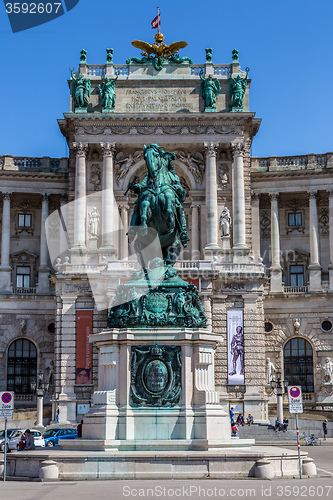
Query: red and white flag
(156, 22)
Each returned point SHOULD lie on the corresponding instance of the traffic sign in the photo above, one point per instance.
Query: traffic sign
(6, 400)
(6, 414)
(295, 399)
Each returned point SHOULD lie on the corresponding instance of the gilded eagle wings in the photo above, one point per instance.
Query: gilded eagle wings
(174, 47)
(145, 46)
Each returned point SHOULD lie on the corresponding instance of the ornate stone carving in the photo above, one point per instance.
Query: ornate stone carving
(265, 223)
(324, 220)
(195, 163)
(225, 222)
(222, 176)
(94, 220)
(238, 149)
(211, 148)
(328, 371)
(108, 148)
(155, 375)
(124, 163)
(80, 148)
(95, 176)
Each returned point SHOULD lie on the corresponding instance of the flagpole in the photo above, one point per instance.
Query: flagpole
(158, 19)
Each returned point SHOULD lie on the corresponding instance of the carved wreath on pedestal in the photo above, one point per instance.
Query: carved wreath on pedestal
(155, 375)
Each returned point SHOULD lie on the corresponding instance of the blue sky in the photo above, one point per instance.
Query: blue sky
(287, 45)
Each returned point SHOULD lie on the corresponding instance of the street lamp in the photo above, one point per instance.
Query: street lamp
(40, 387)
(280, 386)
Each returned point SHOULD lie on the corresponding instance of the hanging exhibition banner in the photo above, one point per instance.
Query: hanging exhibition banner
(235, 347)
(83, 347)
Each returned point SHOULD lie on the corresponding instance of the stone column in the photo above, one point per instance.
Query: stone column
(239, 239)
(211, 197)
(124, 229)
(330, 267)
(314, 266)
(255, 226)
(65, 357)
(275, 269)
(108, 202)
(5, 269)
(43, 271)
(207, 307)
(195, 251)
(80, 197)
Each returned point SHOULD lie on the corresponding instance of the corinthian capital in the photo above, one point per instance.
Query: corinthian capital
(211, 148)
(108, 148)
(80, 148)
(6, 196)
(312, 195)
(238, 148)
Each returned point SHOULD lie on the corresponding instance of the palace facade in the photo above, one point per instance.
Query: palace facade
(64, 245)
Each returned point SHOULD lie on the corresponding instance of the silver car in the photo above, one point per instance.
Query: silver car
(16, 437)
(10, 432)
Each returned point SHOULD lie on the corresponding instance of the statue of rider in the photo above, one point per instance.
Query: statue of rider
(148, 183)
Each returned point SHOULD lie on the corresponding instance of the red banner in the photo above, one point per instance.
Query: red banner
(156, 22)
(83, 347)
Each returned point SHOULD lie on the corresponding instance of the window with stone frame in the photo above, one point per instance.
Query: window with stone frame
(298, 363)
(295, 220)
(24, 268)
(295, 263)
(24, 220)
(21, 366)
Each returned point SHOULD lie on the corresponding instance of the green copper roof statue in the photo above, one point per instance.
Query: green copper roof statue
(80, 90)
(209, 90)
(108, 94)
(237, 91)
(158, 223)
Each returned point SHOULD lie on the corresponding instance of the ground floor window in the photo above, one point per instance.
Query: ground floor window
(298, 364)
(22, 366)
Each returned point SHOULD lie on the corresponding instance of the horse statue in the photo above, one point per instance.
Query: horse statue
(158, 209)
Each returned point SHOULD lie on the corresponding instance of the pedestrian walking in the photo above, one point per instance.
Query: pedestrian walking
(325, 429)
(232, 415)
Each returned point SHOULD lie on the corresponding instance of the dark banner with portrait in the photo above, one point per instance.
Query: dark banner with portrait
(83, 347)
(235, 347)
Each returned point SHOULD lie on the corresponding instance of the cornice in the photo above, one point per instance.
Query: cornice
(9, 174)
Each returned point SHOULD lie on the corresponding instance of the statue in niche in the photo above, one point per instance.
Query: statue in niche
(270, 370)
(209, 90)
(94, 219)
(50, 373)
(80, 89)
(225, 222)
(237, 90)
(297, 325)
(108, 93)
(223, 177)
(328, 371)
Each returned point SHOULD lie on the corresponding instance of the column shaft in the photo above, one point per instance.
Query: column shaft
(275, 269)
(314, 266)
(195, 254)
(255, 226)
(211, 197)
(124, 230)
(239, 238)
(80, 196)
(5, 233)
(43, 243)
(330, 214)
(314, 233)
(108, 197)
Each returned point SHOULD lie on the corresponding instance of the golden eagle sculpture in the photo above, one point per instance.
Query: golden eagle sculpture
(158, 52)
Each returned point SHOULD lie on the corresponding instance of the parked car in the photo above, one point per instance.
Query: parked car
(16, 437)
(10, 432)
(53, 435)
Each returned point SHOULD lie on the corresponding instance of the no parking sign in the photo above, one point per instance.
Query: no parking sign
(295, 399)
(6, 400)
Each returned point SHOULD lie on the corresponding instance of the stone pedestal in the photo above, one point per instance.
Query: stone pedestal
(150, 400)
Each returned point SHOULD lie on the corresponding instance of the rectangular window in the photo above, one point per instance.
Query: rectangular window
(296, 276)
(295, 219)
(23, 277)
(24, 220)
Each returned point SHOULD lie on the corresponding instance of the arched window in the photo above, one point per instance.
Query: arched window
(298, 364)
(22, 366)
